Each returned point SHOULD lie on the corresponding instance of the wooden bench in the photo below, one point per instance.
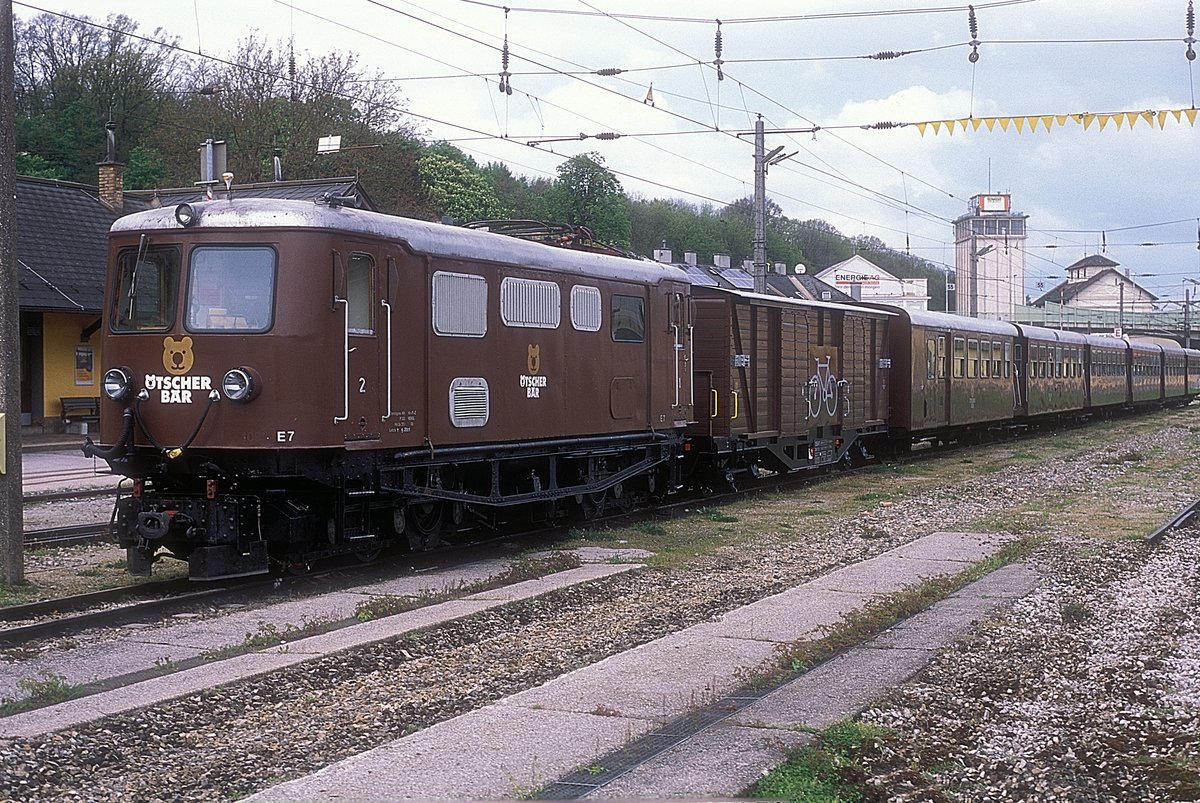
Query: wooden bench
(80, 408)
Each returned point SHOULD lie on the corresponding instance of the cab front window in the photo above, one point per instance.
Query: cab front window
(231, 288)
(147, 288)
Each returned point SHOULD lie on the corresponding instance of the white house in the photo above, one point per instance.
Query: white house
(860, 278)
(1095, 283)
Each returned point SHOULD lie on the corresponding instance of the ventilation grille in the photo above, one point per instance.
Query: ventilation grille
(469, 402)
(585, 308)
(530, 303)
(459, 304)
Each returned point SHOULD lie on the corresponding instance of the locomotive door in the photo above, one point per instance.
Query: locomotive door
(356, 302)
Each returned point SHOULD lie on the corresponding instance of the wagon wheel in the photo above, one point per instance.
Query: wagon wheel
(593, 505)
(426, 525)
(368, 554)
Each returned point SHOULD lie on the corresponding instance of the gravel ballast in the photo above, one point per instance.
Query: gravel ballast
(231, 741)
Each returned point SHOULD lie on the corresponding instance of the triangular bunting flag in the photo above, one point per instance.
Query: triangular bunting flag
(1020, 121)
(975, 121)
(1087, 119)
(1047, 119)
(990, 122)
(1103, 118)
(950, 127)
(1191, 115)
(937, 126)
(921, 128)
(1004, 121)
(1061, 119)
(1148, 117)
(1162, 119)
(1119, 119)
(964, 122)
(1131, 118)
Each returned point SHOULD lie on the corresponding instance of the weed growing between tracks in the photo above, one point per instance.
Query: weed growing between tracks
(824, 772)
(45, 689)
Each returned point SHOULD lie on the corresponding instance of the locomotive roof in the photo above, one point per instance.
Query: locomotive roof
(420, 236)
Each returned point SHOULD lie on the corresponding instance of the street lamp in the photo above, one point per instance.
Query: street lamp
(1187, 307)
(975, 255)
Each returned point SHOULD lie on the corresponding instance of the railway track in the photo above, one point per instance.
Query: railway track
(40, 497)
(1179, 521)
(66, 536)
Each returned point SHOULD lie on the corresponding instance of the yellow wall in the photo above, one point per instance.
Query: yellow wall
(60, 335)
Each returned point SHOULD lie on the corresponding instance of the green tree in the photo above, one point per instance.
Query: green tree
(586, 193)
(145, 168)
(30, 164)
(72, 76)
(457, 191)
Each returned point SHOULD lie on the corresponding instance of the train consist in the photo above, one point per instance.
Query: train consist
(288, 381)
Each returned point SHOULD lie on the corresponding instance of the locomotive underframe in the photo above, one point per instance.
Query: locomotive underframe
(233, 513)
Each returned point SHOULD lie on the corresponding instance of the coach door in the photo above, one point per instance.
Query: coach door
(357, 307)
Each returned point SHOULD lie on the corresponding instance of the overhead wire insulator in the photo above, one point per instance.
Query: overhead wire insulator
(610, 71)
(718, 48)
(1191, 31)
(884, 124)
(973, 24)
(608, 135)
(884, 55)
(505, 75)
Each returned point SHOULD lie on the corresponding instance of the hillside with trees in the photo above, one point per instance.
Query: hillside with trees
(74, 75)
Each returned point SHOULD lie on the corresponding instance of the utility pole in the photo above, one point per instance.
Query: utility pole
(12, 522)
(763, 160)
(760, 208)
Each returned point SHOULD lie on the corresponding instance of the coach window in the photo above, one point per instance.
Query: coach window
(985, 359)
(147, 286)
(972, 359)
(230, 289)
(996, 369)
(942, 370)
(1007, 360)
(359, 294)
(628, 319)
(930, 359)
(960, 357)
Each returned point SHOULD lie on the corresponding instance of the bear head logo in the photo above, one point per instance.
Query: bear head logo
(177, 355)
(535, 358)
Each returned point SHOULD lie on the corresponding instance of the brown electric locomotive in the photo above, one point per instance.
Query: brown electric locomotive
(288, 380)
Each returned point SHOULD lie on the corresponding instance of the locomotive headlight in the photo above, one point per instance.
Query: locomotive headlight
(185, 215)
(118, 382)
(239, 384)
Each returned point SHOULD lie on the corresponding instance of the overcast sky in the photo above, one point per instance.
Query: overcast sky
(1083, 190)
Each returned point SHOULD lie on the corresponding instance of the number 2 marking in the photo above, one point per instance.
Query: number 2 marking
(362, 384)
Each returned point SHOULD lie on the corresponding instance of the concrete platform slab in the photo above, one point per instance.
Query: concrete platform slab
(801, 613)
(189, 681)
(720, 762)
(834, 690)
(552, 582)
(90, 664)
(1010, 582)
(436, 582)
(885, 574)
(656, 681)
(491, 753)
(964, 547)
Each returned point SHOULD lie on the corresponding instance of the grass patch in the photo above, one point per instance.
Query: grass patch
(825, 771)
(268, 635)
(715, 514)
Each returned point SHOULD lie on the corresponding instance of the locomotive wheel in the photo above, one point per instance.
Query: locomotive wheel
(426, 525)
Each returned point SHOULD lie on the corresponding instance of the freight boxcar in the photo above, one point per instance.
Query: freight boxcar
(785, 384)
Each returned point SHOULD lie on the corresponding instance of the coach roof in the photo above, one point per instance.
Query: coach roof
(420, 236)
